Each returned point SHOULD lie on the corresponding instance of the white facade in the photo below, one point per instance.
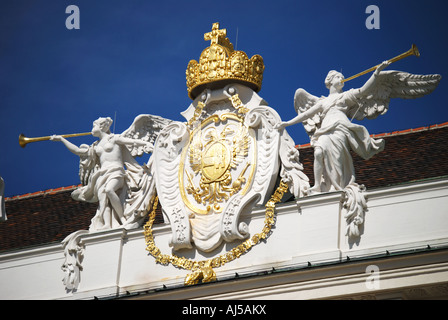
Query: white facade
(307, 256)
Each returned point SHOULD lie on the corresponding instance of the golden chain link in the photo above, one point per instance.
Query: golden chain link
(201, 266)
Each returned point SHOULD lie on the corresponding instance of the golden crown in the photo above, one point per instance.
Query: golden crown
(220, 64)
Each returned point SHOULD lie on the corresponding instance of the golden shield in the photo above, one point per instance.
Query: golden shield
(215, 161)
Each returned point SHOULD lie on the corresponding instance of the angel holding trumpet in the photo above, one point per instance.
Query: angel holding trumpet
(327, 120)
(111, 176)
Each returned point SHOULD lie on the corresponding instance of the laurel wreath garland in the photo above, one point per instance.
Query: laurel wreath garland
(202, 271)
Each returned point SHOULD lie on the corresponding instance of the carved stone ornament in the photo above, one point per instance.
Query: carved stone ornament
(224, 160)
(74, 254)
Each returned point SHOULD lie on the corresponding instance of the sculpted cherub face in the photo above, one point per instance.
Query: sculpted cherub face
(334, 79)
(101, 125)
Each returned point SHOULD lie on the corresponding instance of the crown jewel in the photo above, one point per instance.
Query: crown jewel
(221, 63)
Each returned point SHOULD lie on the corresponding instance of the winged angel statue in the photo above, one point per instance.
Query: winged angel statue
(111, 176)
(327, 120)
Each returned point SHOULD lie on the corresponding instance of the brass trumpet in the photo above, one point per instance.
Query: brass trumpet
(23, 141)
(411, 52)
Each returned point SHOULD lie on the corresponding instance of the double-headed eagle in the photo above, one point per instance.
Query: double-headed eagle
(213, 155)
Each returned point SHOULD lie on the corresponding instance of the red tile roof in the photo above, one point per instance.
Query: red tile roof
(409, 155)
(49, 216)
(40, 218)
(45, 217)
(42, 193)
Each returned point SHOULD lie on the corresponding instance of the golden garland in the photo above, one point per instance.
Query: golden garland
(203, 270)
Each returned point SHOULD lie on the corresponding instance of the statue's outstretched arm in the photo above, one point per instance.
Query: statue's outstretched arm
(128, 141)
(70, 146)
(301, 116)
(370, 84)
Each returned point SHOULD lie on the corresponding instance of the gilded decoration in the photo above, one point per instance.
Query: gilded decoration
(223, 161)
(202, 271)
(218, 162)
(220, 62)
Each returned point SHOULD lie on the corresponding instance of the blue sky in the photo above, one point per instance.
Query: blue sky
(129, 58)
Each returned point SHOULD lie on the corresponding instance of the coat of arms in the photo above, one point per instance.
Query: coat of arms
(231, 153)
(226, 158)
(223, 161)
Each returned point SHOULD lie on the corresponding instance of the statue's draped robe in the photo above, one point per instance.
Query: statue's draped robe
(336, 136)
(135, 195)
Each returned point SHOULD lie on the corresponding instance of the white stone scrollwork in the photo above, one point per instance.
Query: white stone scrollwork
(263, 119)
(231, 228)
(74, 254)
(275, 146)
(354, 205)
(292, 169)
(167, 157)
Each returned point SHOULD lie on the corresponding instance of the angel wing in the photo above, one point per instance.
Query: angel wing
(302, 102)
(145, 127)
(390, 85)
(88, 163)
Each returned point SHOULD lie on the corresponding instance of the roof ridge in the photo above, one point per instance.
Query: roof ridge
(41, 193)
(412, 130)
(394, 133)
